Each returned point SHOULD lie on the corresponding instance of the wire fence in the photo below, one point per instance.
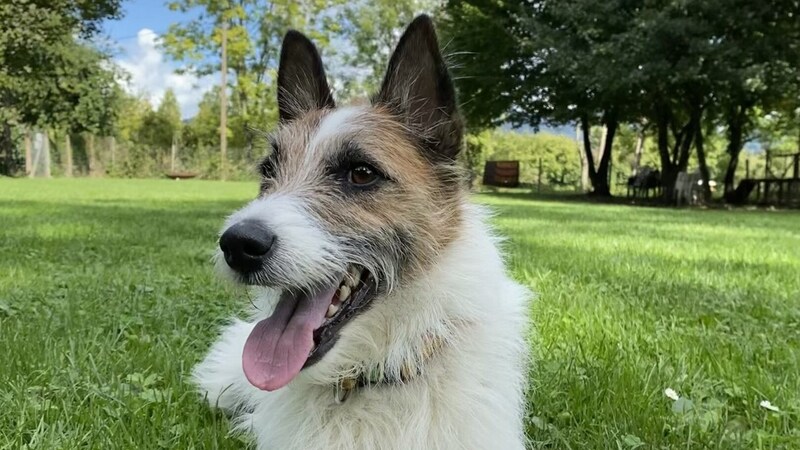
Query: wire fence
(47, 155)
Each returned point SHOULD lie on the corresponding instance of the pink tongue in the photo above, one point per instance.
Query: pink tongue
(279, 345)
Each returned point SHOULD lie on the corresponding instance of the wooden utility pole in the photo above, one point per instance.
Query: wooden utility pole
(68, 154)
(173, 151)
(46, 148)
(223, 101)
(37, 153)
(112, 142)
(28, 154)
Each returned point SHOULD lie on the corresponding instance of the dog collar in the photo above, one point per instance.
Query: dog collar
(376, 375)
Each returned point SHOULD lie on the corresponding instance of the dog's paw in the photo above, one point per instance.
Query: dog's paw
(219, 377)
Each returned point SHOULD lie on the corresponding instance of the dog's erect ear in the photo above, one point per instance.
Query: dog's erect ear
(418, 88)
(302, 85)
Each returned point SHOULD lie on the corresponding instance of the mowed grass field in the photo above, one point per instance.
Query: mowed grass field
(107, 299)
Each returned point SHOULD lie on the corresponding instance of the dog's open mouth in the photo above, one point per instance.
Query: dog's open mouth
(303, 328)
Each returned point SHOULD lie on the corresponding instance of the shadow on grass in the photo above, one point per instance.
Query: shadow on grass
(651, 203)
(618, 296)
(526, 207)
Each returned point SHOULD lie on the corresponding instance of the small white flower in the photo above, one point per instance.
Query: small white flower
(671, 394)
(767, 405)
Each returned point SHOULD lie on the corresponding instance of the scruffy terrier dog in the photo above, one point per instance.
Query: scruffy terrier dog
(385, 318)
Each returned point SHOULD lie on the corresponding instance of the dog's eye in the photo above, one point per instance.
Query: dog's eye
(363, 175)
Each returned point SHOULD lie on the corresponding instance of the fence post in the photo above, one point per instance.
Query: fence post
(539, 178)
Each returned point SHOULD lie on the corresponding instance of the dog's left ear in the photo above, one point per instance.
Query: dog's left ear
(302, 85)
(418, 88)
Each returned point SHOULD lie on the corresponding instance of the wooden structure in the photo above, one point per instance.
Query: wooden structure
(772, 189)
(180, 175)
(645, 182)
(501, 173)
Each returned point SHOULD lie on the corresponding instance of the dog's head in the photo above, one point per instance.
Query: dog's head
(354, 201)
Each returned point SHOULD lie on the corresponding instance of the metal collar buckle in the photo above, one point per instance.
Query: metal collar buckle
(343, 389)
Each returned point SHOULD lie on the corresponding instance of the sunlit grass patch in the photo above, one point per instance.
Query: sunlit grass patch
(107, 299)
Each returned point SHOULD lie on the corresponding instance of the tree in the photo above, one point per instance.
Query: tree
(130, 120)
(677, 64)
(160, 129)
(162, 126)
(479, 36)
(707, 61)
(373, 28)
(759, 60)
(254, 32)
(531, 62)
(45, 73)
(203, 129)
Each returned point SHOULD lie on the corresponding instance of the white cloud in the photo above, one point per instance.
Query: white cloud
(151, 75)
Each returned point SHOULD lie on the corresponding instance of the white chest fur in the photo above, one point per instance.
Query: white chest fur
(469, 396)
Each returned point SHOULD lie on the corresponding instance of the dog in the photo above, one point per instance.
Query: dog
(384, 316)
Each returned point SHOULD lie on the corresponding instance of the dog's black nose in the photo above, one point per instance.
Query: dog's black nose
(246, 245)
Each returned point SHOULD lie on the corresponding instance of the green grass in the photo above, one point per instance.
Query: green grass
(107, 299)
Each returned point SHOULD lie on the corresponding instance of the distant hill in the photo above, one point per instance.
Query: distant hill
(561, 130)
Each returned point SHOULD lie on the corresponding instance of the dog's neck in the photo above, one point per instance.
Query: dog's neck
(381, 373)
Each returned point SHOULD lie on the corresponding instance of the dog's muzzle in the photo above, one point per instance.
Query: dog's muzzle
(247, 245)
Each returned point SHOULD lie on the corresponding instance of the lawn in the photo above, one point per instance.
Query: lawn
(107, 299)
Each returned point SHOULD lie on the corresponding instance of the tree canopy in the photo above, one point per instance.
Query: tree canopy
(669, 65)
(48, 73)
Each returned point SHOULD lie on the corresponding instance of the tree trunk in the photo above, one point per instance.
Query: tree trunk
(662, 131)
(668, 172)
(68, 154)
(9, 165)
(599, 175)
(584, 163)
(603, 139)
(701, 158)
(587, 147)
(735, 144)
(686, 144)
(601, 183)
(676, 159)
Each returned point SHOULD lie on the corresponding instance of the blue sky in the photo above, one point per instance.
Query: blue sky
(151, 14)
(151, 72)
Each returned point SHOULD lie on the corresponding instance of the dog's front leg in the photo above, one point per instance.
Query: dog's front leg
(220, 378)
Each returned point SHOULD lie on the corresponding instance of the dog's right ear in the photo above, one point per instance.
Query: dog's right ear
(302, 85)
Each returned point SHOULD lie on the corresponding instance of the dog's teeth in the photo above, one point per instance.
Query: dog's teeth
(344, 292)
(354, 276)
(331, 310)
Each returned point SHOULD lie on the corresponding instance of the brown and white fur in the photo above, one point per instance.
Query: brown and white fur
(435, 260)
